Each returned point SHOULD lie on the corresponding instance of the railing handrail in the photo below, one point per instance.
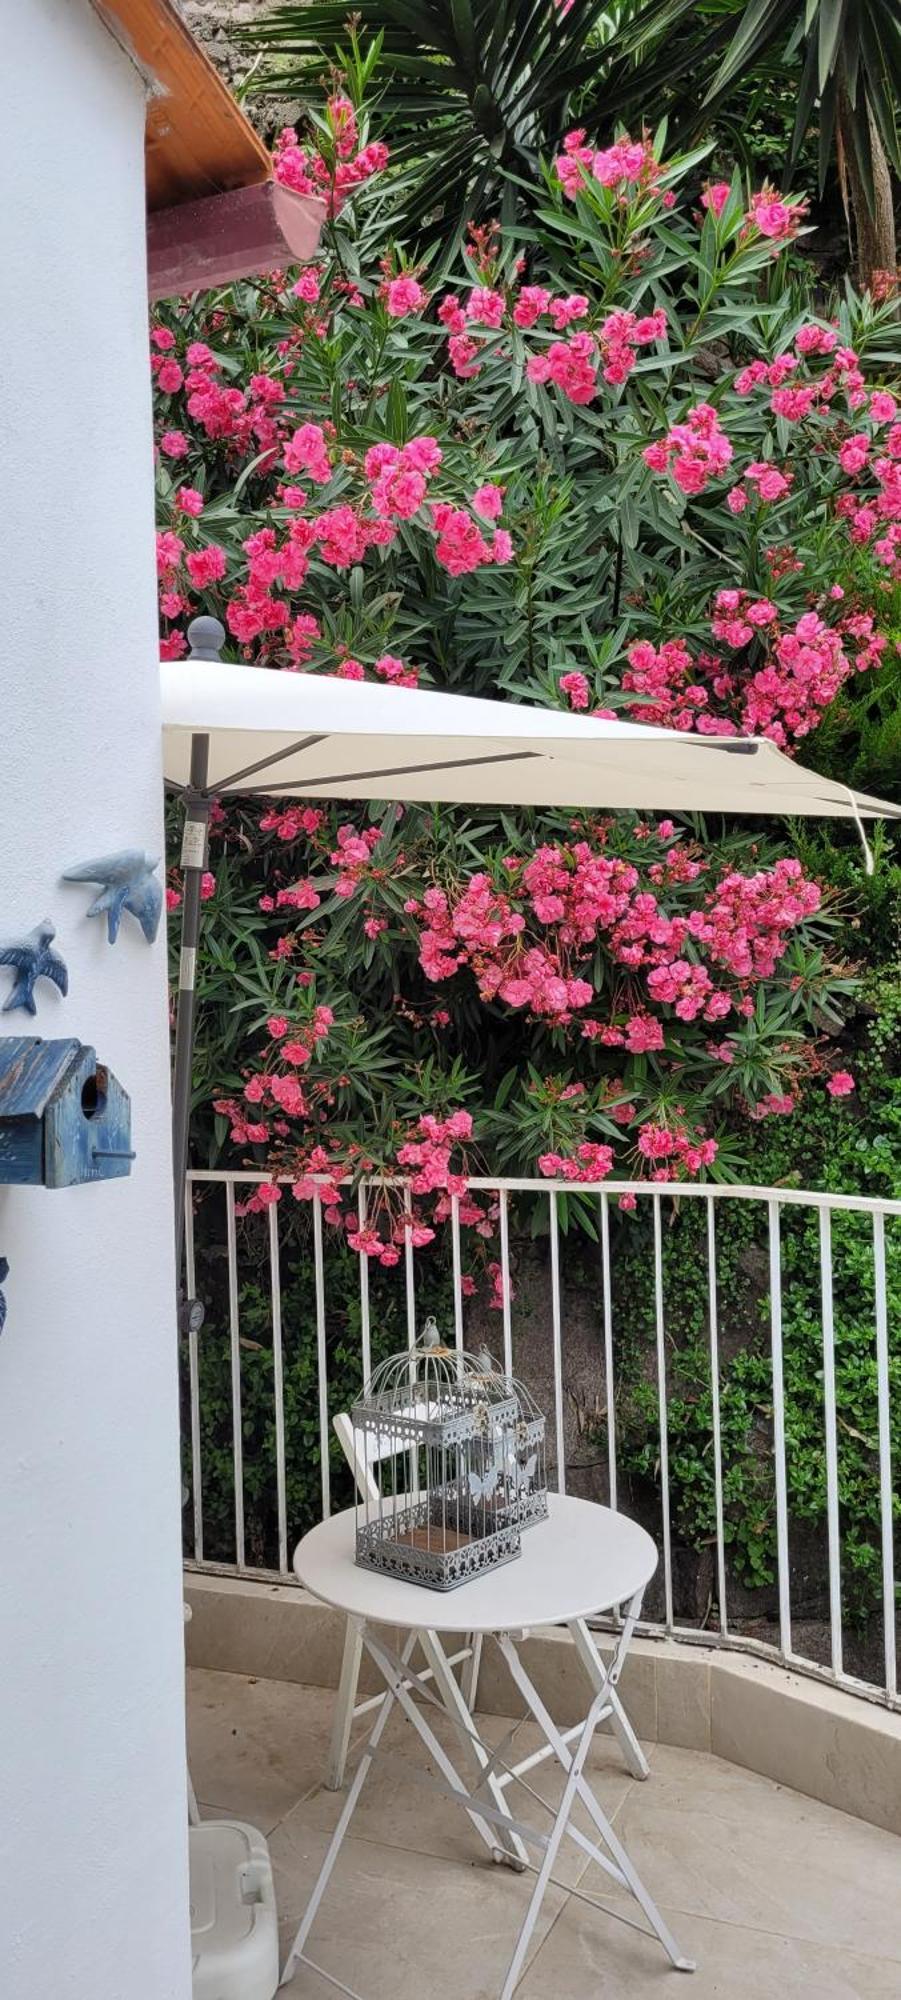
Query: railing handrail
(864, 1204)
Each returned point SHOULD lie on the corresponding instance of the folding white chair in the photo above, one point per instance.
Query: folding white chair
(365, 1472)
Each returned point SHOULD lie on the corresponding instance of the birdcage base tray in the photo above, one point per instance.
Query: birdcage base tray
(444, 1562)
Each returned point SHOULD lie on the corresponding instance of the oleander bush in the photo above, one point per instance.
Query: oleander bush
(622, 464)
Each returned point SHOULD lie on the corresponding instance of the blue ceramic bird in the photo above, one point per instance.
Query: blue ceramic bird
(126, 882)
(32, 959)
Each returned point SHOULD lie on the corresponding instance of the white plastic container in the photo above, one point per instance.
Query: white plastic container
(234, 1926)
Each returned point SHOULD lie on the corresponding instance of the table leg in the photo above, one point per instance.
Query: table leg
(543, 1874)
(604, 1681)
(363, 1768)
(578, 1787)
(469, 1674)
(513, 1852)
(344, 1704)
(400, 1686)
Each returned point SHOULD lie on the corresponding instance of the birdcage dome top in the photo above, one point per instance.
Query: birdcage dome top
(437, 1377)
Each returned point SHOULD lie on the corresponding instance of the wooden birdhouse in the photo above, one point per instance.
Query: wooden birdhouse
(64, 1118)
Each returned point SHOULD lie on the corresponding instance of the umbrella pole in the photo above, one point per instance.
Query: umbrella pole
(193, 861)
(206, 637)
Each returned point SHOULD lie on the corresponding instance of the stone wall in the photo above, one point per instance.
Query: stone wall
(213, 23)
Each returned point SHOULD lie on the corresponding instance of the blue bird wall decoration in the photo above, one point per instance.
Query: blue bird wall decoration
(126, 882)
(32, 958)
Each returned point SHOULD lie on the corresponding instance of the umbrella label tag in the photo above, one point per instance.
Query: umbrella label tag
(193, 844)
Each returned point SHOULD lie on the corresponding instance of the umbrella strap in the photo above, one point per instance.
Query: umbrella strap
(868, 861)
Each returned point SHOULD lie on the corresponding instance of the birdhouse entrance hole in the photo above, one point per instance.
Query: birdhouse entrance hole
(93, 1093)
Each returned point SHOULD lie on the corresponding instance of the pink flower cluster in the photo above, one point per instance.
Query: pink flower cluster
(572, 897)
(339, 168)
(399, 475)
(278, 1089)
(429, 1155)
(590, 1162)
(695, 451)
(786, 697)
(771, 216)
(674, 1151)
(628, 166)
(875, 516)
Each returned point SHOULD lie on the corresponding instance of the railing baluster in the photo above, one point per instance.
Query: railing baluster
(557, 1335)
(885, 1459)
(661, 1406)
(785, 1627)
(235, 1344)
(409, 1272)
(608, 1349)
(193, 1380)
(458, 1272)
(713, 1316)
(278, 1373)
(365, 1332)
(832, 1517)
(321, 1357)
(505, 1282)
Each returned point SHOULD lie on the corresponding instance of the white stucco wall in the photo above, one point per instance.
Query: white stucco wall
(93, 1890)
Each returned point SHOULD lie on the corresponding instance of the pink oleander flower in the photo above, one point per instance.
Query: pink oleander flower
(206, 566)
(488, 501)
(189, 501)
(695, 451)
(484, 307)
(841, 1083)
(774, 218)
(403, 296)
(307, 286)
(715, 196)
(169, 377)
(307, 451)
(463, 352)
(174, 444)
(576, 689)
(533, 301)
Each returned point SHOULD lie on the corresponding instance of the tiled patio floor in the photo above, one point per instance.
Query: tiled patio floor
(776, 1896)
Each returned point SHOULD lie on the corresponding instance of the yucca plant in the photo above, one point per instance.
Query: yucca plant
(845, 56)
(471, 92)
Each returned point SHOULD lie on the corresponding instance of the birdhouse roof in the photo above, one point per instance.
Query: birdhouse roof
(30, 1071)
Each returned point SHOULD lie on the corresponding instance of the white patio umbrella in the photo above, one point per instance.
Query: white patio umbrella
(237, 731)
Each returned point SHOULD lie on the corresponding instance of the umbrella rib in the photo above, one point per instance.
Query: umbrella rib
(265, 763)
(393, 771)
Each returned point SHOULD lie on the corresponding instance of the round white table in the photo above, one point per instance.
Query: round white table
(583, 1560)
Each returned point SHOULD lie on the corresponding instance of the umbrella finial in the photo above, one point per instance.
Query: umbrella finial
(207, 637)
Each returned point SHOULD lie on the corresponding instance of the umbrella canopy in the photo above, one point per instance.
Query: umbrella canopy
(305, 735)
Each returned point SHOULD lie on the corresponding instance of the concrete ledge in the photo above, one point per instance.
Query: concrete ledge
(819, 1740)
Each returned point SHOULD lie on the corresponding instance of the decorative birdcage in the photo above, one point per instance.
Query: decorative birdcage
(452, 1465)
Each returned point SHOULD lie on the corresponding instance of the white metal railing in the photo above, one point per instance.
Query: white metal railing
(772, 1206)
